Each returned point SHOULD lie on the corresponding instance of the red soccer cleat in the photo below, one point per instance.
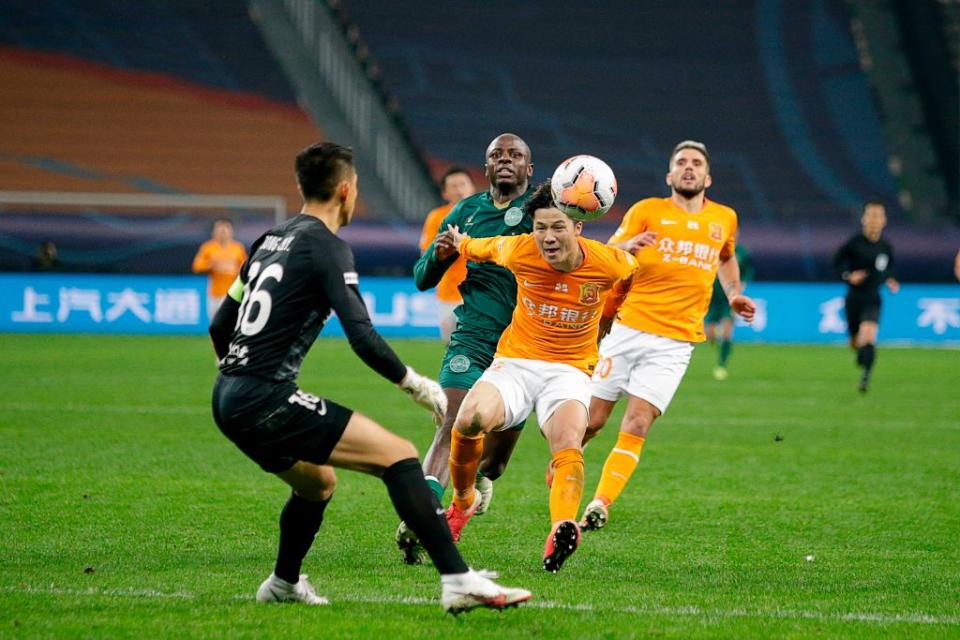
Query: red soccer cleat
(457, 519)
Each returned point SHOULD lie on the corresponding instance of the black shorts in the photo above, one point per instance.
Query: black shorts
(275, 423)
(860, 308)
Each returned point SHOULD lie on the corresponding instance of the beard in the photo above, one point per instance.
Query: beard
(690, 192)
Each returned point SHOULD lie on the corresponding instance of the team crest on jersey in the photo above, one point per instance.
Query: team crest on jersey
(513, 216)
(716, 231)
(459, 363)
(589, 293)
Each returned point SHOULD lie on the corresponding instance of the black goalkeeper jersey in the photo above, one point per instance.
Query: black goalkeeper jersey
(874, 257)
(297, 273)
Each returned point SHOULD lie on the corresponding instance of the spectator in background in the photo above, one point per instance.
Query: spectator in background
(865, 262)
(956, 265)
(46, 258)
(221, 256)
(455, 185)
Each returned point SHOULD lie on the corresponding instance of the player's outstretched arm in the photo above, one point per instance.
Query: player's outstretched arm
(342, 289)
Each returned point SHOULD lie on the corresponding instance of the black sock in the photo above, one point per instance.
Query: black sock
(419, 508)
(866, 355)
(299, 522)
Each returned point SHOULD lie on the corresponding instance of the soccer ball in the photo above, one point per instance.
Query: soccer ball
(583, 187)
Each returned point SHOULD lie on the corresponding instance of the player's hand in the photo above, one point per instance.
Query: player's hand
(856, 277)
(426, 393)
(444, 245)
(744, 307)
(641, 240)
(893, 285)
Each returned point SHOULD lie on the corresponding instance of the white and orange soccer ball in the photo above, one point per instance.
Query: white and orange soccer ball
(583, 187)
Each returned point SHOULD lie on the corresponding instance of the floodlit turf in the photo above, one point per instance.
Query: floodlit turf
(778, 503)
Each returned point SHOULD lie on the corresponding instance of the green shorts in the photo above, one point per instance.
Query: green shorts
(719, 310)
(464, 363)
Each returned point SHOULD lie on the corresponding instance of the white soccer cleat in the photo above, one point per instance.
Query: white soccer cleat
(595, 516)
(275, 589)
(470, 590)
(485, 488)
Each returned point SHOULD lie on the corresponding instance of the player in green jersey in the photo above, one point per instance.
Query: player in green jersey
(718, 323)
(489, 296)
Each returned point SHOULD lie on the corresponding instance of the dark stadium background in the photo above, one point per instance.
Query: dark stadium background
(802, 105)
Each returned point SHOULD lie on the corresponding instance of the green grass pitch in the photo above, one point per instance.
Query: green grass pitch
(779, 503)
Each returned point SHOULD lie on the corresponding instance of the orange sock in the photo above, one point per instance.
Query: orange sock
(619, 466)
(465, 452)
(567, 487)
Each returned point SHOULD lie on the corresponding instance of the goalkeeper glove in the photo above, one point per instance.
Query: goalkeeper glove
(426, 393)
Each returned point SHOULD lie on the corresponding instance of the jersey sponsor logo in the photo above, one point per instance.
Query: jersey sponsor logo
(513, 216)
(881, 262)
(716, 231)
(351, 277)
(459, 364)
(589, 293)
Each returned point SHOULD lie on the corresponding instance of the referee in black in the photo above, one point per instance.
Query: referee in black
(864, 263)
(296, 275)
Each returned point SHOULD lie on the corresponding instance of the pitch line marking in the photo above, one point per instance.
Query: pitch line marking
(688, 611)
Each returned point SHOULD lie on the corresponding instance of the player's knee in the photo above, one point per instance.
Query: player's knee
(404, 450)
(323, 484)
(637, 423)
(472, 419)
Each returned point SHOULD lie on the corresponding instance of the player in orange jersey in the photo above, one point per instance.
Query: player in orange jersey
(455, 185)
(543, 360)
(221, 256)
(648, 347)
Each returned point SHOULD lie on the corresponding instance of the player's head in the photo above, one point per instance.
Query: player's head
(222, 230)
(874, 218)
(325, 173)
(508, 163)
(689, 169)
(554, 231)
(456, 184)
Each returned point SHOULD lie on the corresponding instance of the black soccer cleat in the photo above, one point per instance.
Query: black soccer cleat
(563, 540)
(864, 383)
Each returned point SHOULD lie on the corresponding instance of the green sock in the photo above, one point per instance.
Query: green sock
(436, 488)
(725, 347)
(480, 475)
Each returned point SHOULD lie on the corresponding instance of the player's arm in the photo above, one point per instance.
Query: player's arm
(493, 249)
(436, 258)
(225, 320)
(728, 272)
(632, 234)
(889, 279)
(843, 265)
(203, 261)
(340, 283)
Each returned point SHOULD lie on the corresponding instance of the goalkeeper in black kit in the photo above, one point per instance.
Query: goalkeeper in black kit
(296, 275)
(864, 263)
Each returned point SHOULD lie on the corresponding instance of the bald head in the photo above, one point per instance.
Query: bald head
(508, 166)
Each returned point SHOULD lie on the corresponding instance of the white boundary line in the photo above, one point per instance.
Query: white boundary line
(687, 611)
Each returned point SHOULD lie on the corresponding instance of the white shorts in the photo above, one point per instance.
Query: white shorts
(642, 364)
(534, 385)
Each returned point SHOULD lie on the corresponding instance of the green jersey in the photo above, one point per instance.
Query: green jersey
(489, 291)
(719, 307)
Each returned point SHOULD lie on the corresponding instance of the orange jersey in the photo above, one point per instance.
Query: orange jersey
(221, 262)
(447, 290)
(671, 292)
(557, 312)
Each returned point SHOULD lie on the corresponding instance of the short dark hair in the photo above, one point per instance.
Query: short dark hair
(321, 167)
(542, 198)
(217, 221)
(689, 144)
(452, 171)
(873, 202)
